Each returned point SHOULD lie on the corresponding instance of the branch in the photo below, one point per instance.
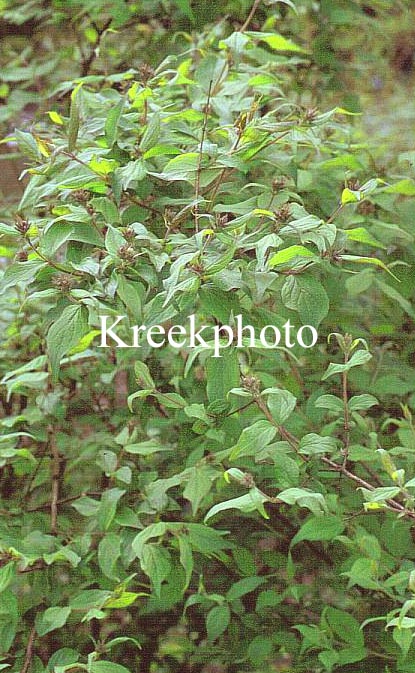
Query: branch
(341, 468)
(250, 15)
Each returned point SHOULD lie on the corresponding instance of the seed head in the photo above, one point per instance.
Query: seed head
(310, 114)
(63, 282)
(284, 213)
(146, 72)
(126, 253)
(21, 225)
(251, 384)
(21, 256)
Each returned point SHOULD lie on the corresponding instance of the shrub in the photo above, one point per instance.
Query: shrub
(165, 509)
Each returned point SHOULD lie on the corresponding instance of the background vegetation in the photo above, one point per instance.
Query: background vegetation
(168, 511)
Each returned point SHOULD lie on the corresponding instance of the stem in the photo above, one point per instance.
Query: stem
(250, 15)
(29, 651)
(346, 409)
(199, 163)
(56, 266)
(55, 483)
(73, 156)
(334, 214)
(224, 172)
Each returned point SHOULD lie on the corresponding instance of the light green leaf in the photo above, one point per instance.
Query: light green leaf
(277, 42)
(284, 256)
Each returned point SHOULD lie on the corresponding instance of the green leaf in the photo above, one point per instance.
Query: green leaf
(253, 439)
(156, 563)
(350, 196)
(243, 587)
(406, 187)
(109, 550)
(130, 294)
(151, 134)
(185, 8)
(330, 402)
(393, 294)
(9, 619)
(307, 296)
(345, 626)
(362, 402)
(281, 403)
(358, 358)
(199, 485)
(112, 121)
(362, 235)
(319, 528)
(123, 601)
(250, 502)
(186, 559)
(51, 619)
(107, 667)
(304, 498)
(21, 272)
(89, 599)
(368, 260)
(64, 334)
(7, 575)
(217, 621)
(108, 507)
(286, 470)
(313, 444)
(222, 375)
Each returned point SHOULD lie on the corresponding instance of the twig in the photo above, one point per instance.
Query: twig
(334, 214)
(87, 62)
(250, 15)
(56, 266)
(29, 651)
(199, 162)
(64, 501)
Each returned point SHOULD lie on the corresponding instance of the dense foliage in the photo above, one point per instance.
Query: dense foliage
(162, 509)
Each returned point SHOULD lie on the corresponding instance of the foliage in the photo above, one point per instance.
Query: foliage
(163, 509)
